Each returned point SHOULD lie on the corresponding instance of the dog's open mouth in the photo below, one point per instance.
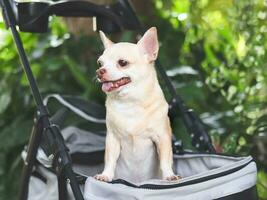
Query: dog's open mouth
(108, 86)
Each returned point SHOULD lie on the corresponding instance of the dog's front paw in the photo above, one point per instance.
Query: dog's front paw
(173, 177)
(103, 177)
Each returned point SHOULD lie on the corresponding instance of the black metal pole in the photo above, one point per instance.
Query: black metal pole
(62, 187)
(11, 23)
(30, 159)
(62, 160)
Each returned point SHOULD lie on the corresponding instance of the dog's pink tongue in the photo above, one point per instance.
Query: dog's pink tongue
(107, 86)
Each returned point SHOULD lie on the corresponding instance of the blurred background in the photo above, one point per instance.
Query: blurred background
(213, 50)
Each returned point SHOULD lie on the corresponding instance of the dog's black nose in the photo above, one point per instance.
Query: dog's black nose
(100, 72)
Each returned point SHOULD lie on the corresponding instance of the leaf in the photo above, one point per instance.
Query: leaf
(16, 133)
(262, 185)
(230, 144)
(5, 98)
(76, 71)
(181, 70)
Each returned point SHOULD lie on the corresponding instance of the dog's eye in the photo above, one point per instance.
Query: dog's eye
(99, 63)
(123, 63)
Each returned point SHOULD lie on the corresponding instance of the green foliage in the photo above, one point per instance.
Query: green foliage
(214, 52)
(262, 185)
(225, 42)
(220, 43)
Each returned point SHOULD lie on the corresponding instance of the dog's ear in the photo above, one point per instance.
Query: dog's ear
(149, 45)
(106, 42)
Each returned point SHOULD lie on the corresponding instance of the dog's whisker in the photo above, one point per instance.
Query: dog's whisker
(95, 79)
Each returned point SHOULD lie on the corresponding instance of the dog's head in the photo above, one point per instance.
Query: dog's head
(123, 66)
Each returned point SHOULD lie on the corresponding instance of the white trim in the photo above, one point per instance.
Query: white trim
(30, 1)
(74, 109)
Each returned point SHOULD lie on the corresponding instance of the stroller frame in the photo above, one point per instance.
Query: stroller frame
(47, 134)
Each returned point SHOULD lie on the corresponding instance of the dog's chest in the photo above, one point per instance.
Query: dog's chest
(127, 120)
(135, 126)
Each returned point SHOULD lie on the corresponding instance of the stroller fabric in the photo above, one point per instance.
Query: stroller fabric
(205, 176)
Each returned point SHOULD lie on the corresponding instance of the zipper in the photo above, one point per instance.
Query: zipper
(190, 182)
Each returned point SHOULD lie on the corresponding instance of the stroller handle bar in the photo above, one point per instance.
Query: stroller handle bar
(33, 16)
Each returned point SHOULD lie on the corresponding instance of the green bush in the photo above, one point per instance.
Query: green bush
(225, 42)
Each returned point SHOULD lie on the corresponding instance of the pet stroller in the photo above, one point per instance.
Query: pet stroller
(59, 161)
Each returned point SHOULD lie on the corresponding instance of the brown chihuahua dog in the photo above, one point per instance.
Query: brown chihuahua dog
(138, 142)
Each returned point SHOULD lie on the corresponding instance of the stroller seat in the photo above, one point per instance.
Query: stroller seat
(205, 175)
